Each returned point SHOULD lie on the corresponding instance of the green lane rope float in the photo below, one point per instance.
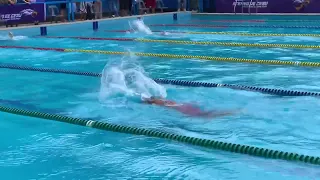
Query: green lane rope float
(176, 56)
(279, 92)
(206, 143)
(169, 41)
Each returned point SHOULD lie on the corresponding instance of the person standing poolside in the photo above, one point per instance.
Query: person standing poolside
(97, 5)
(63, 7)
(125, 7)
(151, 4)
(8, 2)
(181, 5)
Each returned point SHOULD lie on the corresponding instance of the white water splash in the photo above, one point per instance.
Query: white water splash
(14, 38)
(125, 77)
(139, 26)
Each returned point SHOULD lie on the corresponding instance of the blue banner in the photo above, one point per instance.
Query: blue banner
(22, 13)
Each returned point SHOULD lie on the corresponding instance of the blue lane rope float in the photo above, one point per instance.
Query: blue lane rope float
(206, 143)
(279, 92)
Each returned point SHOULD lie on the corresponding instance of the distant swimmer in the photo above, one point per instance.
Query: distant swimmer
(163, 33)
(187, 109)
(10, 34)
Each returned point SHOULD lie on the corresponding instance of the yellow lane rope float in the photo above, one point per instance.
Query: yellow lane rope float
(176, 56)
(227, 59)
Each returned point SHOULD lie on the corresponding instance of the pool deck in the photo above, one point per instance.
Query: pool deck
(22, 26)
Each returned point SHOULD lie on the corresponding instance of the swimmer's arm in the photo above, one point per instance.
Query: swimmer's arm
(215, 114)
(26, 1)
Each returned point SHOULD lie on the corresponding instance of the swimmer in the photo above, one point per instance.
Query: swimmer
(10, 34)
(163, 33)
(187, 109)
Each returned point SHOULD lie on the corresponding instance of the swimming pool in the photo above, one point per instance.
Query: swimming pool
(36, 149)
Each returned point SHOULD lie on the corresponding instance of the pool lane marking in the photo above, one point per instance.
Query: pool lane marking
(169, 41)
(279, 92)
(223, 33)
(205, 143)
(177, 56)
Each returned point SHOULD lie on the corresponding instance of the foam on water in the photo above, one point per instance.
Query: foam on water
(15, 38)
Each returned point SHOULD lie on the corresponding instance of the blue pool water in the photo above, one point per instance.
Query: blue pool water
(38, 149)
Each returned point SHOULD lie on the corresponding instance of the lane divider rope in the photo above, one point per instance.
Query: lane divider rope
(265, 20)
(206, 143)
(280, 92)
(224, 33)
(296, 46)
(231, 20)
(226, 26)
(87, 38)
(177, 56)
(257, 20)
(292, 20)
